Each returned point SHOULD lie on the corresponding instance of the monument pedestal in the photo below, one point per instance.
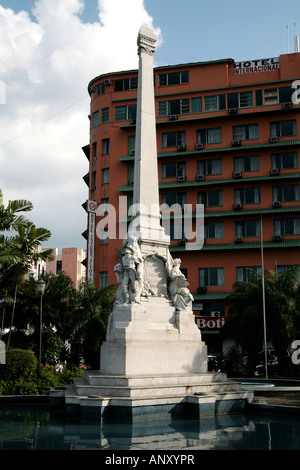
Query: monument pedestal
(152, 337)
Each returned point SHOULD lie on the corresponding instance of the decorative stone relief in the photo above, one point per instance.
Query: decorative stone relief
(155, 276)
(151, 275)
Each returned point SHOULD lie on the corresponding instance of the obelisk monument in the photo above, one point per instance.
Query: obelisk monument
(151, 329)
(145, 210)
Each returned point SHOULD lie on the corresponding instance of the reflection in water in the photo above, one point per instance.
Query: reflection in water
(37, 428)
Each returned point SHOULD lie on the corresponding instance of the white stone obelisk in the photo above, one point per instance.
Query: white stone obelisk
(145, 213)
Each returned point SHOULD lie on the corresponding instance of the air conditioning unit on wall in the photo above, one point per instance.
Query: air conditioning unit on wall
(215, 314)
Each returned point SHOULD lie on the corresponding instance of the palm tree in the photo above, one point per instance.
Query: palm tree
(10, 217)
(246, 312)
(27, 241)
(92, 317)
(9, 252)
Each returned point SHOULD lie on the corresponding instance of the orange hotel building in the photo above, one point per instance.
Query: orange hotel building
(228, 137)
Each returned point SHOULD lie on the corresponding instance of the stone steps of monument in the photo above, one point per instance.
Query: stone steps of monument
(155, 390)
(96, 378)
(148, 400)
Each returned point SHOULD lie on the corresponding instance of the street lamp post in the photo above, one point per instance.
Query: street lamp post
(41, 289)
(263, 296)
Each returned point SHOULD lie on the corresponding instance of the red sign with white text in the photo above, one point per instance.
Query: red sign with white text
(210, 323)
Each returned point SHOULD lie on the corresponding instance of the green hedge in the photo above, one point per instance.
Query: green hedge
(20, 363)
(19, 376)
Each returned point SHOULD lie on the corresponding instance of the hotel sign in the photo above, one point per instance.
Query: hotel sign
(256, 66)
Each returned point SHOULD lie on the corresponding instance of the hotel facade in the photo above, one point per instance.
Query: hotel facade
(228, 139)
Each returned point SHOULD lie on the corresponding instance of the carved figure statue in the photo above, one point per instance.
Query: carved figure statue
(128, 273)
(178, 287)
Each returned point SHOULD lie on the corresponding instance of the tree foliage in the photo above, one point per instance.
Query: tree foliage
(246, 325)
(92, 318)
(10, 217)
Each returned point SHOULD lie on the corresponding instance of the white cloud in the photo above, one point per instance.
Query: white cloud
(46, 66)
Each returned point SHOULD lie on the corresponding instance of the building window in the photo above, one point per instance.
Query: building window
(240, 100)
(211, 198)
(174, 198)
(106, 146)
(131, 144)
(165, 108)
(285, 160)
(130, 173)
(173, 169)
(247, 196)
(95, 119)
(105, 115)
(197, 105)
(105, 176)
(209, 136)
(126, 84)
(214, 103)
(274, 95)
(211, 276)
(270, 96)
(173, 139)
(125, 113)
(104, 235)
(246, 163)
(287, 226)
(283, 268)
(94, 179)
(214, 230)
(286, 193)
(209, 167)
(175, 230)
(129, 203)
(283, 128)
(243, 274)
(247, 228)
(173, 78)
(105, 204)
(103, 279)
(245, 132)
(58, 266)
(100, 89)
(94, 151)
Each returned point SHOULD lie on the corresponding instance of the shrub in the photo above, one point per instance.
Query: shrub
(235, 364)
(232, 363)
(19, 387)
(20, 363)
(19, 376)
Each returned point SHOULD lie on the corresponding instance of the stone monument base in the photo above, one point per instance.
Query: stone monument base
(126, 398)
(152, 337)
(153, 363)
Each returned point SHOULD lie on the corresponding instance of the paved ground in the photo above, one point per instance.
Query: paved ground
(274, 392)
(280, 400)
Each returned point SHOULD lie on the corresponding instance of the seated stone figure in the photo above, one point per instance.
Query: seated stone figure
(178, 287)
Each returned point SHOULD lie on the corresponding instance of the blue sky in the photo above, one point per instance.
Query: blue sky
(51, 49)
(194, 30)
